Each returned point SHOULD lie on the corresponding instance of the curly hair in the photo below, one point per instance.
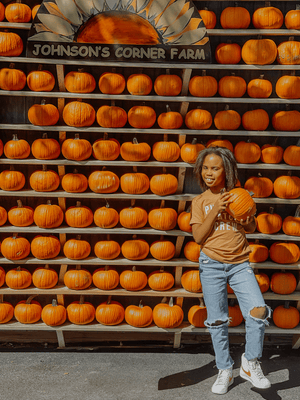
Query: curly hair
(229, 163)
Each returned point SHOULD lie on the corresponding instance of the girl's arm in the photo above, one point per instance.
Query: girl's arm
(202, 231)
(249, 225)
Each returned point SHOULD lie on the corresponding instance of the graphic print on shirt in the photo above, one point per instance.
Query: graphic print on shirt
(224, 220)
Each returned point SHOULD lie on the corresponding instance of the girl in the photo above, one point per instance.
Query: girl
(224, 258)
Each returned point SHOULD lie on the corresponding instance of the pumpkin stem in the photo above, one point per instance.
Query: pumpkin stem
(162, 269)
(12, 65)
(134, 168)
(105, 136)
(45, 135)
(261, 76)
(43, 102)
(78, 203)
(81, 299)
(256, 241)
(20, 204)
(168, 71)
(141, 304)
(297, 213)
(275, 141)
(106, 268)
(54, 303)
(134, 268)
(194, 141)
(76, 137)
(28, 301)
(78, 267)
(291, 38)
(226, 107)
(108, 300)
(165, 137)
(15, 235)
(164, 170)
(298, 142)
(287, 304)
(135, 141)
(164, 300)
(161, 237)
(171, 302)
(267, 3)
(15, 137)
(11, 168)
(204, 70)
(293, 73)
(44, 167)
(168, 108)
(107, 237)
(49, 202)
(271, 210)
(287, 107)
(132, 203)
(19, 268)
(46, 266)
(297, 6)
(162, 204)
(289, 173)
(75, 171)
(78, 237)
(113, 103)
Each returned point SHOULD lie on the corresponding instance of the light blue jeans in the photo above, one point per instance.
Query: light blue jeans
(214, 277)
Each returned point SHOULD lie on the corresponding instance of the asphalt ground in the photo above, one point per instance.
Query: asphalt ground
(38, 372)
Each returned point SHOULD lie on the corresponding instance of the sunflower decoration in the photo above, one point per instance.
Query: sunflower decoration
(131, 22)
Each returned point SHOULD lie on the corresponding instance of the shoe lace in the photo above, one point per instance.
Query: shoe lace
(223, 377)
(255, 365)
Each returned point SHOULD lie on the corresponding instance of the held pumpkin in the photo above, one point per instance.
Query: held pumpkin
(54, 314)
(259, 51)
(167, 316)
(242, 205)
(110, 313)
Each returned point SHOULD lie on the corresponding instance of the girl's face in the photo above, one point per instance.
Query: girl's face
(213, 173)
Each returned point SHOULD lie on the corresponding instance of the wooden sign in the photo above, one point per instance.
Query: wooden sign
(119, 30)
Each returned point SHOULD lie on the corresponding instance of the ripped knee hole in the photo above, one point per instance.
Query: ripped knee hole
(259, 312)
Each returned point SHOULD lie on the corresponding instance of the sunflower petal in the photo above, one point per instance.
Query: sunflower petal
(141, 4)
(170, 14)
(179, 25)
(190, 37)
(99, 4)
(86, 6)
(112, 4)
(70, 11)
(56, 24)
(49, 37)
(157, 8)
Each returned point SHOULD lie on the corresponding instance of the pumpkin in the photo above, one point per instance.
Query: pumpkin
(133, 217)
(259, 88)
(81, 312)
(79, 216)
(232, 86)
(12, 78)
(139, 84)
(292, 19)
(74, 182)
(162, 250)
(20, 215)
(1, 147)
(141, 117)
(106, 278)
(18, 278)
(247, 152)
(291, 224)
(184, 221)
(163, 184)
(2, 278)
(15, 247)
(209, 18)
(271, 153)
(268, 222)
(18, 13)
(79, 82)
(111, 117)
(133, 280)
(134, 183)
(190, 281)
(110, 313)
(111, 83)
(170, 119)
(161, 280)
(242, 205)
(77, 249)
(3, 215)
(139, 316)
(284, 253)
(263, 281)
(235, 18)
(220, 143)
(44, 180)
(44, 277)
(286, 316)
(11, 44)
(168, 85)
(43, 114)
(45, 148)
(45, 247)
(78, 279)
(198, 119)
(259, 252)
(227, 120)
(12, 180)
(103, 182)
(167, 316)
(6, 312)
(40, 80)
(234, 314)
(260, 186)
(28, 311)
(135, 249)
(76, 149)
(166, 151)
(288, 87)
(192, 250)
(288, 53)
(267, 18)
(197, 315)
(189, 151)
(54, 314)
(106, 149)
(203, 86)
(255, 120)
(228, 53)
(135, 151)
(286, 120)
(291, 154)
(2, 12)
(35, 10)
(287, 187)
(48, 216)
(78, 114)
(106, 217)
(283, 282)
(107, 249)
(163, 219)
(259, 51)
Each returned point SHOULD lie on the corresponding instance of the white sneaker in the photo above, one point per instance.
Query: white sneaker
(224, 380)
(251, 371)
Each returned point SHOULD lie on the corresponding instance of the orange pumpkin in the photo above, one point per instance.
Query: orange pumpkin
(106, 278)
(284, 253)
(259, 51)
(134, 183)
(12, 180)
(288, 53)
(234, 314)
(6, 311)
(286, 120)
(203, 86)
(18, 278)
(209, 18)
(227, 119)
(168, 85)
(291, 224)
(135, 249)
(103, 182)
(259, 252)
(81, 312)
(133, 280)
(166, 151)
(139, 84)
(40, 80)
(263, 281)
(192, 250)
(189, 151)
(17, 148)
(268, 222)
(170, 119)
(220, 143)
(28, 311)
(167, 316)
(228, 53)
(44, 277)
(163, 219)
(35, 10)
(12, 78)
(162, 250)
(78, 114)
(271, 154)
(54, 314)
(163, 184)
(2, 12)
(111, 83)
(3, 215)
(190, 281)
(291, 154)
(20, 215)
(11, 44)
(43, 114)
(79, 82)
(232, 86)
(242, 205)
(45, 247)
(79, 216)
(44, 180)
(247, 152)
(260, 186)
(15, 247)
(111, 117)
(18, 13)
(76, 149)
(139, 316)
(267, 18)
(283, 282)
(141, 117)
(74, 182)
(133, 217)
(259, 88)
(45, 148)
(48, 216)
(288, 87)
(135, 151)
(286, 316)
(106, 217)
(287, 187)
(198, 119)
(235, 18)
(292, 19)
(161, 280)
(78, 279)
(184, 221)
(197, 315)
(77, 249)
(110, 313)
(107, 249)
(106, 149)
(255, 120)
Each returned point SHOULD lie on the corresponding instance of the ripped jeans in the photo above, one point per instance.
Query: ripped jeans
(214, 277)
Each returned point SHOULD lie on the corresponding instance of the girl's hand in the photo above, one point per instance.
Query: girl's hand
(223, 201)
(247, 221)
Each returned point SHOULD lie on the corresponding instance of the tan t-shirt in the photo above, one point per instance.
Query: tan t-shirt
(227, 241)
